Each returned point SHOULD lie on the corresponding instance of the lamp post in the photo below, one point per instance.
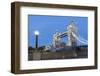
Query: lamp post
(36, 38)
(36, 54)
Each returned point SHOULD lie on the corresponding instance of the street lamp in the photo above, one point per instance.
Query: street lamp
(36, 38)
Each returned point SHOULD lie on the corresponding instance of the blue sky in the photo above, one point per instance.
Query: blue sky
(48, 25)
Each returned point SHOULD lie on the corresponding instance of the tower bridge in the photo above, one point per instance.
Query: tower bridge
(71, 33)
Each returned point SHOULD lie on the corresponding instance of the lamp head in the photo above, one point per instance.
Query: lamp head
(36, 32)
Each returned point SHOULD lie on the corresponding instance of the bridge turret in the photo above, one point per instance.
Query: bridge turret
(71, 28)
(56, 39)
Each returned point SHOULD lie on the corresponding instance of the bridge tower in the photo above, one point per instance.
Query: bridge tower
(56, 40)
(71, 28)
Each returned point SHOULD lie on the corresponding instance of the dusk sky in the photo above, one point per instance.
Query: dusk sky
(48, 25)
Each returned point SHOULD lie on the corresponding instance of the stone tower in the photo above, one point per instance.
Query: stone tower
(71, 28)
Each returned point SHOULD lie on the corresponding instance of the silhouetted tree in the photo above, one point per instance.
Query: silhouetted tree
(41, 48)
(30, 48)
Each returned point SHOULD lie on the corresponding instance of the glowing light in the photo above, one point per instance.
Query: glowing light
(36, 32)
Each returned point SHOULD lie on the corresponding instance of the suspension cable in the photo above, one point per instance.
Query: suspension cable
(84, 42)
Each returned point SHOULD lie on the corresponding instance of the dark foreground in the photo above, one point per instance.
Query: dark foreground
(63, 53)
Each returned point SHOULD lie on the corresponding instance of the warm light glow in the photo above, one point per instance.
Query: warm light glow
(36, 32)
